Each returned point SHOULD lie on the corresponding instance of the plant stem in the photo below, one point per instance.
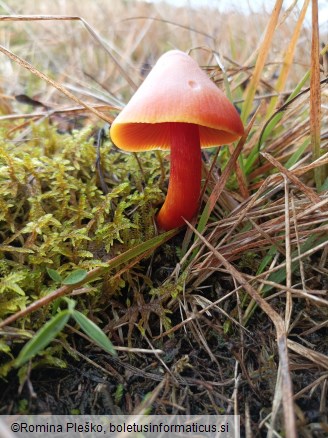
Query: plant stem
(182, 197)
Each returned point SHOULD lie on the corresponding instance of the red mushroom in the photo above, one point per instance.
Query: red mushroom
(178, 108)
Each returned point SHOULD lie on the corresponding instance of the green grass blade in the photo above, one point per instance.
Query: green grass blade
(43, 337)
(299, 86)
(136, 251)
(297, 154)
(275, 118)
(94, 332)
(270, 127)
(266, 260)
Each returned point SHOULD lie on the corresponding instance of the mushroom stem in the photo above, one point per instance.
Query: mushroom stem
(185, 177)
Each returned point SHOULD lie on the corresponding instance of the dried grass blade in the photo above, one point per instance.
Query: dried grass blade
(315, 94)
(162, 20)
(301, 265)
(287, 391)
(289, 301)
(263, 53)
(144, 407)
(311, 385)
(288, 58)
(310, 193)
(94, 34)
(276, 402)
(318, 358)
(55, 84)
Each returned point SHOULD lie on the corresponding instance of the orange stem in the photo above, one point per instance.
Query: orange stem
(185, 177)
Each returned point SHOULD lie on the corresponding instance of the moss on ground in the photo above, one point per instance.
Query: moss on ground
(55, 215)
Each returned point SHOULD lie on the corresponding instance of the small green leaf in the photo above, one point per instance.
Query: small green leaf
(54, 275)
(75, 276)
(94, 332)
(43, 337)
(119, 394)
(227, 327)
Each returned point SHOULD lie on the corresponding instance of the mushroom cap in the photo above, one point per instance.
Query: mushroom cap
(176, 90)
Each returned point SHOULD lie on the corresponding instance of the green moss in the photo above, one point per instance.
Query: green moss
(53, 213)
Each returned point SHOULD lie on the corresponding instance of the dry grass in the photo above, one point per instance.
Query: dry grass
(248, 293)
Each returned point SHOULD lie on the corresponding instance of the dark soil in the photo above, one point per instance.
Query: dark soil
(100, 384)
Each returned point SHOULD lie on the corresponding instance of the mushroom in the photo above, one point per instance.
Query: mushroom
(179, 108)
